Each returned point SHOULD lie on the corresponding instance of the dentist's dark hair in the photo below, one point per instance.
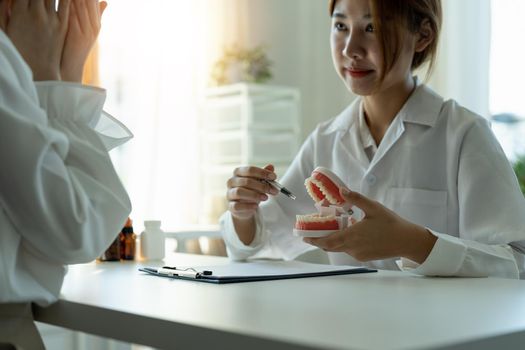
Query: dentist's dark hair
(387, 15)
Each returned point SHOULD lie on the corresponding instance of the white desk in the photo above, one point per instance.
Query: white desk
(384, 310)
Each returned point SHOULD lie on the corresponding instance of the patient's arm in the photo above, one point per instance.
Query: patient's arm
(37, 30)
(84, 26)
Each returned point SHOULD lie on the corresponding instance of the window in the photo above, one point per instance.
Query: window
(153, 64)
(507, 75)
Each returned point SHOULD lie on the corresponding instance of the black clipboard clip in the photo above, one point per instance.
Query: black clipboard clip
(171, 271)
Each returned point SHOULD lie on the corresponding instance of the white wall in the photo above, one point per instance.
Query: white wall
(302, 56)
(462, 70)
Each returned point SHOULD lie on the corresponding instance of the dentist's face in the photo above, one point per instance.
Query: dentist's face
(356, 51)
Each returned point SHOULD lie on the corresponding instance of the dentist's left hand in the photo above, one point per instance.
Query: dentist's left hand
(381, 234)
(84, 26)
(38, 31)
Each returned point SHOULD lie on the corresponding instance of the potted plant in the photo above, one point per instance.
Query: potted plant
(519, 169)
(241, 65)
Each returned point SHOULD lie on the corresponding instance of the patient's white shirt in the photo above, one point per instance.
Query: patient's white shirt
(438, 165)
(61, 201)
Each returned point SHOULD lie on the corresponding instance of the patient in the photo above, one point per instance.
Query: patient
(61, 201)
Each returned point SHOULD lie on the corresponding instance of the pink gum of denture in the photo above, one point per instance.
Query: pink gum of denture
(324, 186)
(316, 222)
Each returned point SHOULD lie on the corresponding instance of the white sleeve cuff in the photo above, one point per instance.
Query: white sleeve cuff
(71, 101)
(445, 258)
(236, 249)
(111, 131)
(81, 103)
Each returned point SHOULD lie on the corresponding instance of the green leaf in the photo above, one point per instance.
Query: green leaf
(519, 169)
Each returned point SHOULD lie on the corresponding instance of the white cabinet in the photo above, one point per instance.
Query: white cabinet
(244, 124)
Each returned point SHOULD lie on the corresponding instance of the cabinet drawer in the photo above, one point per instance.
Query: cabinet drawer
(279, 114)
(239, 148)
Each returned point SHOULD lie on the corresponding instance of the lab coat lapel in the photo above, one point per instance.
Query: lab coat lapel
(422, 107)
(394, 132)
(350, 140)
(356, 147)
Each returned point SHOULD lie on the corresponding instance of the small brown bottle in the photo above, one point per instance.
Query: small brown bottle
(113, 251)
(127, 241)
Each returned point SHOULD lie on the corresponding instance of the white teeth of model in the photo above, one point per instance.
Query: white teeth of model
(314, 218)
(324, 191)
(309, 188)
(330, 198)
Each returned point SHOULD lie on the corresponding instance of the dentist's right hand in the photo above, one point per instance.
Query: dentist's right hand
(246, 189)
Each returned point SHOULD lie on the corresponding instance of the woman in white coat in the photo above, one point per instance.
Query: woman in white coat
(61, 201)
(438, 194)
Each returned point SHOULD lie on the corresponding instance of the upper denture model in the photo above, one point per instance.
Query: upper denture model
(324, 184)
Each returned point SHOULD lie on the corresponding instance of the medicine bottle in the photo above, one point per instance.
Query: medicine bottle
(113, 251)
(127, 241)
(152, 241)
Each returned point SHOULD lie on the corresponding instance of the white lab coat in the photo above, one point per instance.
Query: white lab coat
(438, 165)
(61, 201)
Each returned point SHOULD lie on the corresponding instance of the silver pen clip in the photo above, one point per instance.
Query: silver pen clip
(281, 188)
(182, 272)
(177, 272)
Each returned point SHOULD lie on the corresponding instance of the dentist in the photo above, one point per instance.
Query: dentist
(438, 195)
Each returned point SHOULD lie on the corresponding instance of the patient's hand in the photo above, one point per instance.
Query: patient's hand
(84, 26)
(37, 30)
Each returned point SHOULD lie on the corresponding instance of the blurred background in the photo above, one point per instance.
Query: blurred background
(175, 71)
(208, 85)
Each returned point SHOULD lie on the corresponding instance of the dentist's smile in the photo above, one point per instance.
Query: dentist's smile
(357, 73)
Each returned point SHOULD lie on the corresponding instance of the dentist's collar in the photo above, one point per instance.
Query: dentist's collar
(422, 107)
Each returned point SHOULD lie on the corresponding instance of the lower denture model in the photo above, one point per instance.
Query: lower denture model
(333, 211)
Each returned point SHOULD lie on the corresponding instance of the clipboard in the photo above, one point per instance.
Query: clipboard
(265, 270)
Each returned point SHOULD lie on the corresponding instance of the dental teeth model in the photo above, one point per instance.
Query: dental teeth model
(333, 211)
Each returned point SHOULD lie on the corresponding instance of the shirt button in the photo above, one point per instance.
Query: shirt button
(371, 179)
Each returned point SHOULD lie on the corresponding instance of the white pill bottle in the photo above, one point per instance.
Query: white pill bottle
(152, 241)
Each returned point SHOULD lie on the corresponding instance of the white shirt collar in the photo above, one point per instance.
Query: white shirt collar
(422, 107)
(368, 142)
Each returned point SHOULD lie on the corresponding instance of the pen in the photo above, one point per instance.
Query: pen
(281, 188)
